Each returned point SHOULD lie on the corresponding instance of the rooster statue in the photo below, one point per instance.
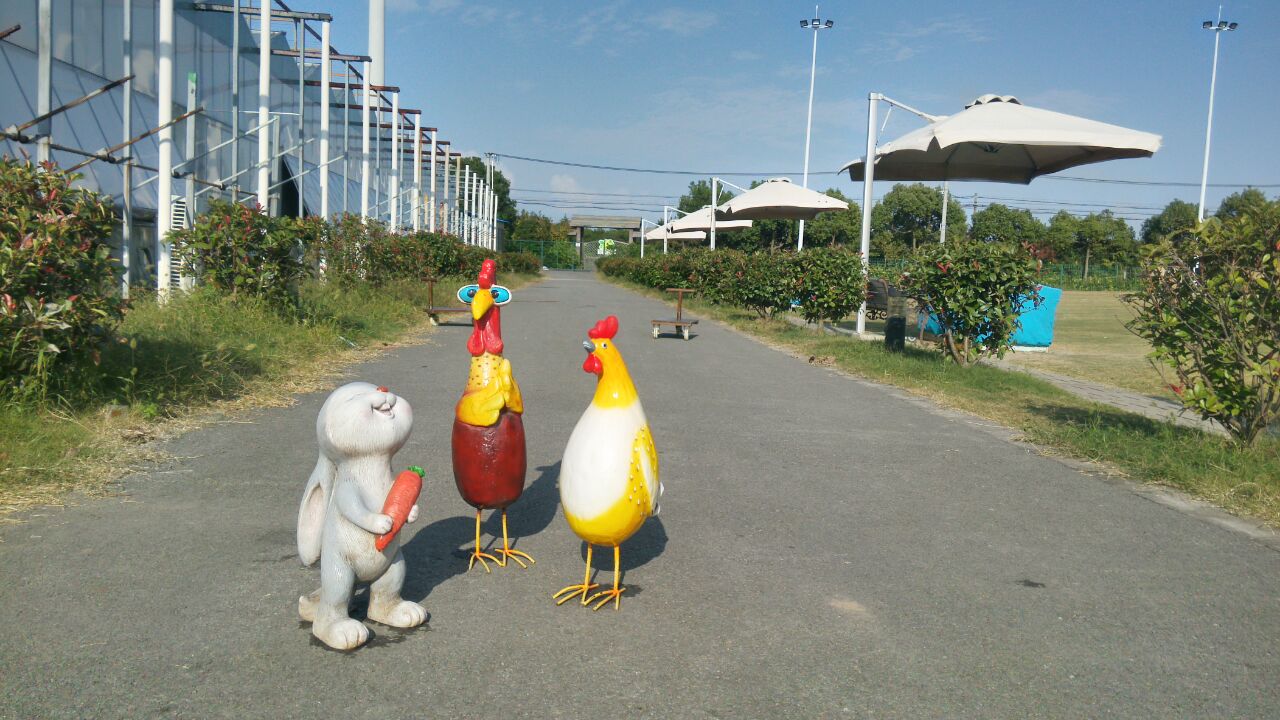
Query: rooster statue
(488, 435)
(609, 476)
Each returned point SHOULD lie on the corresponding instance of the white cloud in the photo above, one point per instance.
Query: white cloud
(439, 6)
(565, 184)
(681, 21)
(909, 41)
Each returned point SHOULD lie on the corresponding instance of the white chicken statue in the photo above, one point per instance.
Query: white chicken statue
(609, 475)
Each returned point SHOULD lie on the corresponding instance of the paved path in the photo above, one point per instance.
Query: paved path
(826, 549)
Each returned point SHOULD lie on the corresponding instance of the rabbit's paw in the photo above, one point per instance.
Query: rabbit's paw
(345, 634)
(404, 614)
(382, 524)
(307, 606)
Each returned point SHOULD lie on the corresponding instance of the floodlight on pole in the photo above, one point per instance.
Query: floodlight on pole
(815, 25)
(1217, 28)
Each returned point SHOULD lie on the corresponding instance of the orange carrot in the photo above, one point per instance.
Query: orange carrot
(400, 500)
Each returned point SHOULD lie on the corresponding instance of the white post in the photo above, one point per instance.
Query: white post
(364, 145)
(375, 71)
(808, 127)
(431, 194)
(1208, 130)
(164, 162)
(942, 239)
(44, 77)
(393, 198)
(417, 172)
(264, 106)
(713, 213)
(444, 198)
(126, 170)
(324, 120)
(467, 194)
(457, 197)
(666, 232)
(868, 177)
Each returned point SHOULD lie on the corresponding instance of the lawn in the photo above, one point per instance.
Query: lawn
(1091, 342)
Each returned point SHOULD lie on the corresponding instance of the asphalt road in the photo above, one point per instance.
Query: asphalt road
(825, 549)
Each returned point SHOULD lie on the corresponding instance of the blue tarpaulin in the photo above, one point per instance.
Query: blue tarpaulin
(1036, 322)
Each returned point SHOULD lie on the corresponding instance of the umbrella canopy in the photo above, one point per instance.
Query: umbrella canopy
(701, 220)
(778, 199)
(998, 139)
(662, 232)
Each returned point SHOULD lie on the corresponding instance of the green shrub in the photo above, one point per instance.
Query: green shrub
(340, 250)
(763, 283)
(975, 290)
(244, 253)
(1210, 307)
(519, 262)
(829, 282)
(57, 278)
(561, 255)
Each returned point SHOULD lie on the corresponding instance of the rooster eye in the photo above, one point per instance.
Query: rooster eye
(467, 293)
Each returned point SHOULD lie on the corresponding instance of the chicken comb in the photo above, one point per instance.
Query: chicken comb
(605, 329)
(488, 270)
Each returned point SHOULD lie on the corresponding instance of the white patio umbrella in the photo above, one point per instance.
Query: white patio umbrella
(998, 139)
(777, 199)
(664, 232)
(701, 220)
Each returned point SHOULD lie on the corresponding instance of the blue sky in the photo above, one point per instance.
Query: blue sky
(723, 86)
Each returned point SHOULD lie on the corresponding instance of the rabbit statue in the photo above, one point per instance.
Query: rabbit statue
(359, 429)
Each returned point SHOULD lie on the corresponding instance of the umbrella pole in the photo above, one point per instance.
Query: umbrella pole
(868, 177)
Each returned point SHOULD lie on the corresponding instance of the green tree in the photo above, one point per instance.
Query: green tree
(1001, 223)
(842, 227)
(1103, 237)
(699, 196)
(1240, 203)
(1176, 218)
(910, 216)
(534, 226)
(1060, 236)
(501, 186)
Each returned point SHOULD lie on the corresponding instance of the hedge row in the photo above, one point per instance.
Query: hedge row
(244, 252)
(825, 284)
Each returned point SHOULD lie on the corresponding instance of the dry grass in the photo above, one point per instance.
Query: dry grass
(1090, 342)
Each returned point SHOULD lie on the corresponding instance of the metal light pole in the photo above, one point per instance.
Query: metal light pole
(1217, 29)
(815, 25)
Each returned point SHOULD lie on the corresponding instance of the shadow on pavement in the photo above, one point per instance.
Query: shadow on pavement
(533, 512)
(432, 555)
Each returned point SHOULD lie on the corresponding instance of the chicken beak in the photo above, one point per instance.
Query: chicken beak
(481, 303)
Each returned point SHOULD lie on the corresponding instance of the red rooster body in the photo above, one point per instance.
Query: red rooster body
(489, 461)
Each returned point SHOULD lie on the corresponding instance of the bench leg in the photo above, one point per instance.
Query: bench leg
(685, 330)
(435, 319)
(655, 332)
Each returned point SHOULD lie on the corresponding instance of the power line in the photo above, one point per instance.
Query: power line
(708, 173)
(596, 194)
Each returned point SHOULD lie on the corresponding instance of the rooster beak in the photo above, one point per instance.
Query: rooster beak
(481, 303)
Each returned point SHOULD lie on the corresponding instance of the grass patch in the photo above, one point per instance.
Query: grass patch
(199, 352)
(1242, 480)
(1091, 342)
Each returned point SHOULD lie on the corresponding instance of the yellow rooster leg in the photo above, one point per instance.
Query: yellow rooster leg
(507, 552)
(616, 593)
(477, 554)
(576, 590)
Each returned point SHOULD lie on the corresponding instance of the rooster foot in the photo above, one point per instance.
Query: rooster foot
(614, 594)
(513, 554)
(480, 555)
(574, 591)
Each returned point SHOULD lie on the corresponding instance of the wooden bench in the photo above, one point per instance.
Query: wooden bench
(680, 323)
(433, 312)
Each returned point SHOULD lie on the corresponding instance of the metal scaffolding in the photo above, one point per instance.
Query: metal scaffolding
(297, 151)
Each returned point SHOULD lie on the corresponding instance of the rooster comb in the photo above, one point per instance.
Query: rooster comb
(488, 270)
(605, 329)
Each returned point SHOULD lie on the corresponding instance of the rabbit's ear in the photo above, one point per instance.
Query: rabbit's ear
(315, 499)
